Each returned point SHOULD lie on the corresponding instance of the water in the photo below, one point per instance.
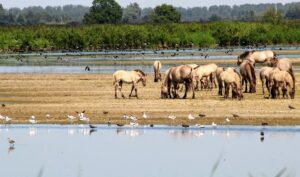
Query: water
(71, 151)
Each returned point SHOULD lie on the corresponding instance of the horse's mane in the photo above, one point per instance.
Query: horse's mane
(140, 71)
(245, 54)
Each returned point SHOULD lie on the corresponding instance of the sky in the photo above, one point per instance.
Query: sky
(142, 3)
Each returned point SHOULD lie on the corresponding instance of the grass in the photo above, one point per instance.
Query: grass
(62, 94)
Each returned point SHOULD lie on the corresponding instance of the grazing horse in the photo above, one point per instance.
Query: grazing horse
(283, 79)
(128, 77)
(157, 67)
(206, 71)
(256, 56)
(231, 78)
(176, 75)
(283, 64)
(218, 74)
(248, 75)
(264, 75)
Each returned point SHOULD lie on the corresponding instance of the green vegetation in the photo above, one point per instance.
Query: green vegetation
(104, 11)
(150, 36)
(165, 14)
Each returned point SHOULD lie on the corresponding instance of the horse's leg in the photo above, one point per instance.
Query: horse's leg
(132, 88)
(186, 89)
(120, 88)
(263, 87)
(193, 90)
(116, 89)
(136, 94)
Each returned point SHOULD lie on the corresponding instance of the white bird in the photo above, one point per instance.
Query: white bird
(133, 118)
(213, 124)
(33, 121)
(2, 117)
(199, 125)
(191, 117)
(70, 117)
(227, 120)
(145, 116)
(47, 116)
(172, 117)
(32, 117)
(7, 119)
(125, 117)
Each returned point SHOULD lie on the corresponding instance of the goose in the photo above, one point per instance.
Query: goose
(11, 142)
(92, 126)
(291, 107)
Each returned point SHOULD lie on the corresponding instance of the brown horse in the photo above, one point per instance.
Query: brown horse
(256, 56)
(157, 67)
(248, 75)
(182, 74)
(128, 77)
(231, 78)
(264, 75)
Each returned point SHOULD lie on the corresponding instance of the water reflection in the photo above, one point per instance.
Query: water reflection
(159, 150)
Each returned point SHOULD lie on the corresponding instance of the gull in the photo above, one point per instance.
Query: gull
(291, 107)
(7, 119)
(227, 120)
(47, 116)
(133, 118)
(191, 117)
(213, 124)
(71, 117)
(2, 117)
(145, 116)
(125, 117)
(32, 119)
(11, 142)
(172, 116)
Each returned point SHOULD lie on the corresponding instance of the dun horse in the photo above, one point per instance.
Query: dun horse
(281, 79)
(264, 75)
(183, 74)
(157, 67)
(256, 56)
(128, 77)
(231, 78)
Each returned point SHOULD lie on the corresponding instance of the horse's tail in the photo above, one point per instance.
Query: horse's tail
(293, 77)
(189, 78)
(274, 54)
(253, 73)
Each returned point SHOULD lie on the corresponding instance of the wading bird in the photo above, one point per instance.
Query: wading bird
(291, 107)
(11, 142)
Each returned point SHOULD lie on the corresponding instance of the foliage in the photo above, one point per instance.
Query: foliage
(150, 36)
(165, 14)
(272, 15)
(132, 13)
(104, 11)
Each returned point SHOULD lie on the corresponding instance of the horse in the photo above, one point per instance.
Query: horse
(283, 79)
(248, 75)
(208, 71)
(264, 74)
(128, 77)
(157, 67)
(231, 78)
(256, 56)
(220, 85)
(283, 64)
(182, 74)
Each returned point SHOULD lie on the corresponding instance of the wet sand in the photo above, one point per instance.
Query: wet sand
(62, 94)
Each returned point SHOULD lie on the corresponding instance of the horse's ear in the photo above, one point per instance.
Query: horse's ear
(83, 111)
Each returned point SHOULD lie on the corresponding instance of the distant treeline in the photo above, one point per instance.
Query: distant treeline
(75, 14)
(147, 36)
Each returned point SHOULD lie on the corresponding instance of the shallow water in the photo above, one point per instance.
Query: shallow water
(71, 151)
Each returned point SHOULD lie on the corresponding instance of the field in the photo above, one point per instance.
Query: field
(63, 94)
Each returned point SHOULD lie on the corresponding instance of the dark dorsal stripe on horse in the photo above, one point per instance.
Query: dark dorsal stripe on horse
(245, 54)
(140, 71)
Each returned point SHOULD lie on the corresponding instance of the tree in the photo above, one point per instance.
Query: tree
(165, 14)
(272, 15)
(132, 13)
(293, 12)
(215, 17)
(104, 11)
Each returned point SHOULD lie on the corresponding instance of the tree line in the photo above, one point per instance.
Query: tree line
(71, 14)
(146, 36)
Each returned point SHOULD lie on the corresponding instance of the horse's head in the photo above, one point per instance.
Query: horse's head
(142, 76)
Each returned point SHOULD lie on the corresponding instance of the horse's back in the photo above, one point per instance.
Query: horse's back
(125, 76)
